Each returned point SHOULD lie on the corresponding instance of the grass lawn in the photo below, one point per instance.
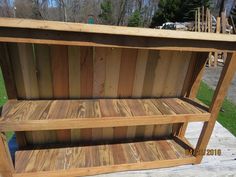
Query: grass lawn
(226, 118)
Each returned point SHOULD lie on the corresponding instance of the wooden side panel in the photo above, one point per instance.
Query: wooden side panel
(44, 71)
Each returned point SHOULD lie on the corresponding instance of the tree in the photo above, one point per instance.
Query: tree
(177, 11)
(135, 19)
(233, 14)
(168, 10)
(106, 12)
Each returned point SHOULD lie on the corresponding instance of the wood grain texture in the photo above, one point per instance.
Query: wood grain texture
(59, 57)
(140, 73)
(112, 72)
(44, 71)
(6, 164)
(74, 71)
(29, 71)
(17, 71)
(101, 158)
(72, 114)
(60, 73)
(86, 72)
(7, 72)
(217, 100)
(113, 30)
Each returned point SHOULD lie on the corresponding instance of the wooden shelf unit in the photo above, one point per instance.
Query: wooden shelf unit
(91, 160)
(91, 99)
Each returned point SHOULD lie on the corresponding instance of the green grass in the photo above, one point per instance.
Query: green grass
(227, 117)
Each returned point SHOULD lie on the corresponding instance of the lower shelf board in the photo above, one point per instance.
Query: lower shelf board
(98, 159)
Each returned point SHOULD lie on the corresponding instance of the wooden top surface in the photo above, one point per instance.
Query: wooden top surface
(128, 155)
(116, 30)
(62, 114)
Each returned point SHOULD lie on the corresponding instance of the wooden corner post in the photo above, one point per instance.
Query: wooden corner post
(218, 98)
(6, 165)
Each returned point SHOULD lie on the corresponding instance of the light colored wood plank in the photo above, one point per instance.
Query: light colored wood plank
(140, 73)
(152, 61)
(218, 98)
(16, 67)
(6, 164)
(161, 73)
(106, 29)
(29, 71)
(112, 72)
(127, 72)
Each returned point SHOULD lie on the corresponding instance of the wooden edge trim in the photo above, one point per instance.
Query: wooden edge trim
(57, 124)
(109, 169)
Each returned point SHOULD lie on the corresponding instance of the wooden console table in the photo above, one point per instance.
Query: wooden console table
(91, 99)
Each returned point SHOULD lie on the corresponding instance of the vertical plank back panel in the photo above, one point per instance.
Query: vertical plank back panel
(60, 75)
(72, 72)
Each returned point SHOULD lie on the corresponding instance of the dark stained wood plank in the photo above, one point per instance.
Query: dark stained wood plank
(44, 71)
(7, 72)
(17, 71)
(74, 71)
(60, 74)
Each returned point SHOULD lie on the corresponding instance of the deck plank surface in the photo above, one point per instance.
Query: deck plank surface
(98, 156)
(67, 109)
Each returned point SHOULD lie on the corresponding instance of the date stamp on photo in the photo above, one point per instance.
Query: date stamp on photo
(208, 152)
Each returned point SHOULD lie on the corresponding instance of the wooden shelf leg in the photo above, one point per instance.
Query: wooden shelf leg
(192, 83)
(218, 98)
(6, 164)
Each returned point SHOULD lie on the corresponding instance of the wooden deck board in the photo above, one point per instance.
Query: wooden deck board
(67, 114)
(107, 157)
